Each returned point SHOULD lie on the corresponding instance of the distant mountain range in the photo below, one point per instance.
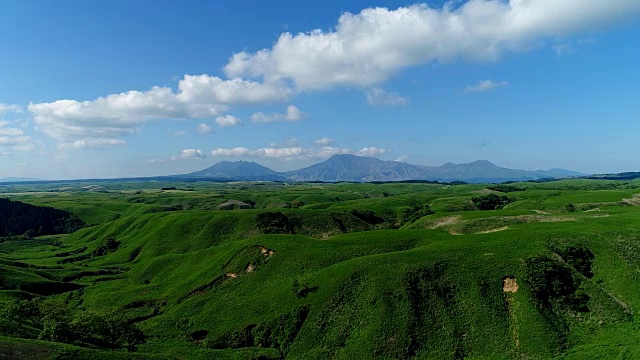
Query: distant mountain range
(15, 179)
(367, 169)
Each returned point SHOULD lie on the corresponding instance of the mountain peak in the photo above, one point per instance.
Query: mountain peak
(238, 170)
(483, 163)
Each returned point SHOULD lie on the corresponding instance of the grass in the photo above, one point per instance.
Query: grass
(421, 291)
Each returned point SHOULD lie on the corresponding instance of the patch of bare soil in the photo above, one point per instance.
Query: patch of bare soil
(493, 230)
(634, 201)
(540, 212)
(444, 221)
(250, 268)
(266, 252)
(592, 210)
(509, 284)
(486, 191)
(538, 218)
(232, 275)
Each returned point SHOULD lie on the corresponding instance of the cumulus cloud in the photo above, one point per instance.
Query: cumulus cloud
(121, 114)
(292, 114)
(204, 129)
(402, 158)
(372, 151)
(484, 86)
(90, 143)
(296, 152)
(368, 48)
(378, 96)
(227, 121)
(8, 108)
(273, 153)
(13, 138)
(328, 151)
(190, 154)
(324, 141)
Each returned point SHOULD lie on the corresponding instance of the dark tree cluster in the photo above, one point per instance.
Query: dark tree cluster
(17, 218)
(56, 321)
(295, 204)
(505, 188)
(274, 223)
(416, 212)
(367, 216)
(491, 202)
(554, 285)
(278, 333)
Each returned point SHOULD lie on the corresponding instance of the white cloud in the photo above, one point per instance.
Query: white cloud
(372, 151)
(402, 158)
(228, 121)
(329, 151)
(205, 89)
(190, 154)
(204, 128)
(14, 138)
(239, 151)
(296, 152)
(324, 141)
(368, 48)
(292, 114)
(121, 114)
(272, 153)
(484, 86)
(178, 133)
(7, 108)
(90, 143)
(377, 96)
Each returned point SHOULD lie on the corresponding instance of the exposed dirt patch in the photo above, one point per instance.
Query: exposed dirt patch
(540, 212)
(592, 210)
(444, 221)
(486, 191)
(232, 275)
(634, 201)
(509, 284)
(494, 230)
(266, 252)
(234, 205)
(249, 268)
(547, 218)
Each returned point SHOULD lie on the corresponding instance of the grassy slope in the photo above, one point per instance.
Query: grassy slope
(380, 293)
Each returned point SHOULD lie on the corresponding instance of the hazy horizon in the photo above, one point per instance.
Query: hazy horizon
(131, 89)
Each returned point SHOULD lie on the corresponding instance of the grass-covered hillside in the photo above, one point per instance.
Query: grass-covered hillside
(327, 271)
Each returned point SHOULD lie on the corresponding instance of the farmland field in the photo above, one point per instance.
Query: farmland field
(247, 270)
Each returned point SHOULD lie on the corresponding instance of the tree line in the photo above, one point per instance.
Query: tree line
(18, 218)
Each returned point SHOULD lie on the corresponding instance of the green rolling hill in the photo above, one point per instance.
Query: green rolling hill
(328, 271)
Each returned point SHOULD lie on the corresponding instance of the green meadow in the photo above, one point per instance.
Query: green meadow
(204, 270)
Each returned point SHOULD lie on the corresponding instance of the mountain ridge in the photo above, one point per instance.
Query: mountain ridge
(346, 167)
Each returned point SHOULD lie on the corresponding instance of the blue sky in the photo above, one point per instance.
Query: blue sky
(139, 88)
